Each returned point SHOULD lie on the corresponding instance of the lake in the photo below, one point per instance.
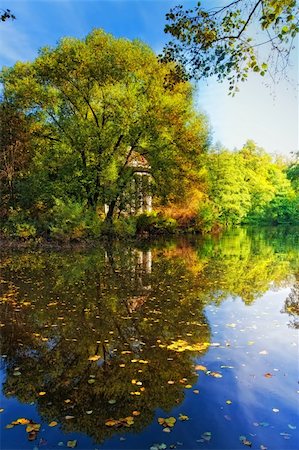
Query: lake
(183, 343)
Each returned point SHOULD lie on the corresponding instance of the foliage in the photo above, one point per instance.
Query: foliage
(6, 14)
(246, 186)
(155, 223)
(92, 104)
(224, 41)
(73, 221)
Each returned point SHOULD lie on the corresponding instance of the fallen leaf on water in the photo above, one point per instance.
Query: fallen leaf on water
(94, 358)
(10, 425)
(228, 402)
(136, 413)
(263, 352)
(1, 410)
(200, 367)
(268, 375)
(214, 374)
(188, 386)
(182, 417)
(53, 424)
(22, 421)
(167, 430)
(167, 422)
(91, 381)
(71, 444)
(33, 427)
(207, 435)
(127, 421)
(196, 391)
(262, 447)
(170, 382)
(275, 410)
(245, 441)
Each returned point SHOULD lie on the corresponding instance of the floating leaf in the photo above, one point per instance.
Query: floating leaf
(53, 424)
(228, 402)
(91, 381)
(71, 444)
(1, 410)
(182, 417)
(207, 435)
(188, 386)
(33, 427)
(268, 375)
(196, 391)
(263, 352)
(200, 367)
(167, 422)
(136, 413)
(22, 421)
(275, 410)
(94, 358)
(167, 430)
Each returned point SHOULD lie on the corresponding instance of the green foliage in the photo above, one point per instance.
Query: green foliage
(92, 104)
(247, 186)
(222, 41)
(155, 223)
(73, 221)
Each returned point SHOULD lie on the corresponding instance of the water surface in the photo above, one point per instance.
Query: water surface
(102, 343)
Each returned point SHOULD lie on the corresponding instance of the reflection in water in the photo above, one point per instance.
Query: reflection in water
(112, 333)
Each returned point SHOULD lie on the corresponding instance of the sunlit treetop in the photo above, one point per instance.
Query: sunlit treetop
(231, 41)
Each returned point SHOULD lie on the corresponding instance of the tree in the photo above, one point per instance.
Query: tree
(94, 102)
(14, 152)
(222, 41)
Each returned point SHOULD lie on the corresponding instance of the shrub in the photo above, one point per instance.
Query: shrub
(73, 221)
(154, 223)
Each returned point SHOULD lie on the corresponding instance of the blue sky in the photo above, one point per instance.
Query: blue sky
(269, 116)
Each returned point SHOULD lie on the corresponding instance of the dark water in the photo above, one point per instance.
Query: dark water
(107, 341)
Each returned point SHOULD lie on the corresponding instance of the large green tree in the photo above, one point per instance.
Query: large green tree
(225, 40)
(97, 101)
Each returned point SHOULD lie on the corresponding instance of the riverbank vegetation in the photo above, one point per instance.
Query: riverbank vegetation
(82, 124)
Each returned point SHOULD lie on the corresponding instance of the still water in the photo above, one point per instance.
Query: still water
(186, 343)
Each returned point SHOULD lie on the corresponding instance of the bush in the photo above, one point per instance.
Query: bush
(73, 221)
(154, 223)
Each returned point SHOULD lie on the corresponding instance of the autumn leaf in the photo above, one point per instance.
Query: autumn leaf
(200, 367)
(33, 427)
(182, 417)
(94, 358)
(71, 444)
(167, 422)
(52, 424)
